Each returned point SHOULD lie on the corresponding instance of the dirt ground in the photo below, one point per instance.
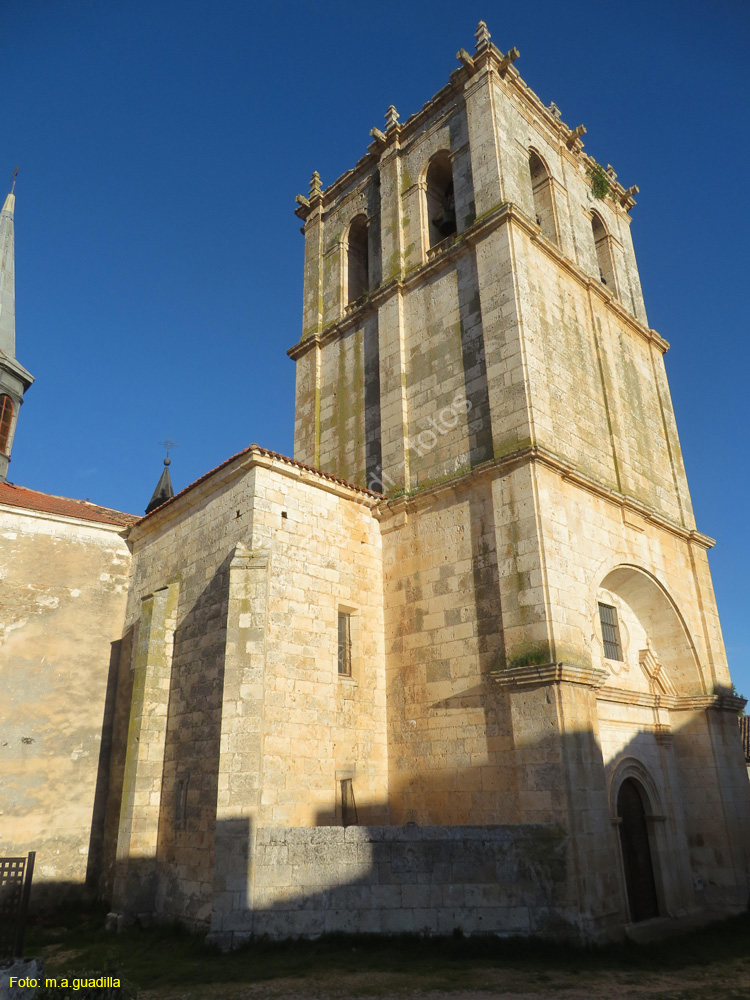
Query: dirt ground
(727, 983)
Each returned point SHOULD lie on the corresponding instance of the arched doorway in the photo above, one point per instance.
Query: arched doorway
(636, 852)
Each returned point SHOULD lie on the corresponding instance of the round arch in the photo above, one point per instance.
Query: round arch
(534, 155)
(650, 621)
(636, 812)
(598, 225)
(543, 201)
(630, 767)
(439, 197)
(603, 250)
(440, 156)
(357, 259)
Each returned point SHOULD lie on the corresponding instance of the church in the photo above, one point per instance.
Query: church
(458, 662)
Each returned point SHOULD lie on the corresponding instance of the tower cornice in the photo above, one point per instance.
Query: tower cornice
(498, 65)
(426, 495)
(446, 254)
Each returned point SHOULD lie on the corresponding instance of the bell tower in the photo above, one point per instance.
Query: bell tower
(458, 281)
(14, 379)
(475, 346)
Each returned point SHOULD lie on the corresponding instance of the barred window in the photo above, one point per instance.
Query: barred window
(348, 805)
(610, 632)
(345, 644)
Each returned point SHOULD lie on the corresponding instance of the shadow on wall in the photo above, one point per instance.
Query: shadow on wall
(612, 845)
(573, 848)
(451, 741)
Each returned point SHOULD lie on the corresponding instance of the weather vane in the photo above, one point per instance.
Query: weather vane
(169, 444)
(15, 174)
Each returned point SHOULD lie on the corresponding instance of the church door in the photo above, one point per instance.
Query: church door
(636, 853)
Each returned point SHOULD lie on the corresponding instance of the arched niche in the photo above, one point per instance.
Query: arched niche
(656, 652)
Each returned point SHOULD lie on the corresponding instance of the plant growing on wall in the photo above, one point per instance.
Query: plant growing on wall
(600, 186)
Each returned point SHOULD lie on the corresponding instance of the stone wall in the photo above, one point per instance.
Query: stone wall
(452, 757)
(62, 604)
(434, 880)
(238, 711)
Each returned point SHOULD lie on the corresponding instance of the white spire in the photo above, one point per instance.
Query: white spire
(7, 279)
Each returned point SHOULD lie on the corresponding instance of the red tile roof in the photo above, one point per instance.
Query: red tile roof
(745, 733)
(45, 503)
(268, 454)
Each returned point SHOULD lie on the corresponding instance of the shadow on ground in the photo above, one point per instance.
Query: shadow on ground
(169, 962)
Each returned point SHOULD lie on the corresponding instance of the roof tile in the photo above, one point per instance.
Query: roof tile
(269, 454)
(46, 503)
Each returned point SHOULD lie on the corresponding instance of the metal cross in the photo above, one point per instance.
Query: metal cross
(168, 443)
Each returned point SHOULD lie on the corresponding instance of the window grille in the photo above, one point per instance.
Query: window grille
(15, 888)
(610, 632)
(345, 644)
(348, 805)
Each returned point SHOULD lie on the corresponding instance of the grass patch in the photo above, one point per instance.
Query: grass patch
(162, 957)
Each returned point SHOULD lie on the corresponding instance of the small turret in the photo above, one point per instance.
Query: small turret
(163, 491)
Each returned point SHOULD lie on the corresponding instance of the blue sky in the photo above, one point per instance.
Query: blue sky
(159, 263)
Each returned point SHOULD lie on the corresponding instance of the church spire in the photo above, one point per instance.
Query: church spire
(163, 491)
(14, 379)
(7, 277)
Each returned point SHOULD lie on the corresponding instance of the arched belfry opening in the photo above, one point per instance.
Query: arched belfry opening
(541, 187)
(358, 260)
(441, 202)
(636, 851)
(603, 254)
(6, 421)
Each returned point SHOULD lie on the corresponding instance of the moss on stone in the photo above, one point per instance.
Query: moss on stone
(502, 449)
(535, 655)
(438, 480)
(357, 392)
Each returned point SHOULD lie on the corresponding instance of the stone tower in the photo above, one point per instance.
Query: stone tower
(14, 379)
(475, 346)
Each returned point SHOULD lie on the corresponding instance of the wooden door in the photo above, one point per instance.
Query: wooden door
(636, 853)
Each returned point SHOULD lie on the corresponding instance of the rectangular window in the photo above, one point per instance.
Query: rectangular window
(345, 644)
(610, 632)
(348, 805)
